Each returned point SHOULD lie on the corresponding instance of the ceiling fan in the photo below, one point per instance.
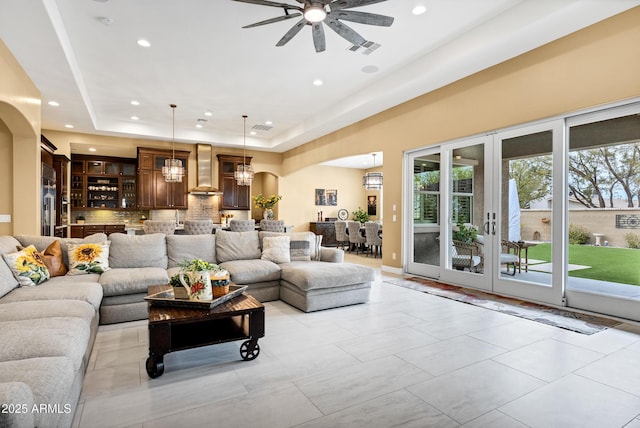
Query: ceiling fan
(329, 12)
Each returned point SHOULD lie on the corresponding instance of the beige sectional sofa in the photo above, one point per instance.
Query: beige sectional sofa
(47, 331)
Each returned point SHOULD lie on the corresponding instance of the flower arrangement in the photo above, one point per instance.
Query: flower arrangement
(198, 265)
(264, 202)
(224, 215)
(360, 215)
(463, 233)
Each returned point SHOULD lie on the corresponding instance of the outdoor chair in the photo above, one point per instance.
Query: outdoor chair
(510, 255)
(465, 255)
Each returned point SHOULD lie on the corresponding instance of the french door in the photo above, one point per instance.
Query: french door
(465, 191)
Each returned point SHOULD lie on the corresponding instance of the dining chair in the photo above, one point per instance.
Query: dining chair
(272, 225)
(372, 237)
(198, 227)
(168, 227)
(242, 225)
(341, 233)
(355, 237)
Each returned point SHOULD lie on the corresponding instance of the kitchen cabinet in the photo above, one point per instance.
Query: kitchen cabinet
(234, 197)
(153, 191)
(103, 182)
(84, 230)
(61, 165)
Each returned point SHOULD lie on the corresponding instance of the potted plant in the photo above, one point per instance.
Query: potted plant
(202, 280)
(463, 233)
(267, 204)
(80, 219)
(360, 215)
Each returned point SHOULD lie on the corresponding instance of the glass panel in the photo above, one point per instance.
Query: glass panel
(526, 202)
(128, 169)
(111, 168)
(604, 207)
(94, 167)
(426, 210)
(467, 175)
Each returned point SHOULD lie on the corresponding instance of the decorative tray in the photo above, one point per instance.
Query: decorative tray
(167, 298)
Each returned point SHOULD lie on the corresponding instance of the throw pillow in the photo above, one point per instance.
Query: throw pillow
(300, 250)
(88, 258)
(52, 257)
(276, 249)
(27, 266)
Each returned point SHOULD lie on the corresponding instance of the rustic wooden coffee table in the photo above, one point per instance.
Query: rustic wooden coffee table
(177, 328)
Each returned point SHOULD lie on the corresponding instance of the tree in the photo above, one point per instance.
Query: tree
(533, 178)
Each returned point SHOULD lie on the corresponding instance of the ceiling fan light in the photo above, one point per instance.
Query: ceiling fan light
(315, 13)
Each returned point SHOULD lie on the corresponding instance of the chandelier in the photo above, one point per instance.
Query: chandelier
(173, 170)
(372, 180)
(244, 173)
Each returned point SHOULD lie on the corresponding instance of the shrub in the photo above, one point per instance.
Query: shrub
(578, 234)
(633, 240)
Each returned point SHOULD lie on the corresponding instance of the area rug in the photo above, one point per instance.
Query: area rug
(568, 320)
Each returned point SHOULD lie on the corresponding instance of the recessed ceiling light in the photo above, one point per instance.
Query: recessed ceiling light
(68, 126)
(418, 10)
(135, 103)
(53, 103)
(369, 69)
(144, 43)
(198, 125)
(252, 132)
(208, 113)
(92, 149)
(317, 82)
(268, 122)
(134, 118)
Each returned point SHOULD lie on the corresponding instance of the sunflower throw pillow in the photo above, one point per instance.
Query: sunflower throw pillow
(88, 258)
(27, 266)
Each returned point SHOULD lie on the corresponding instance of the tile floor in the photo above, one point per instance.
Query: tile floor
(404, 359)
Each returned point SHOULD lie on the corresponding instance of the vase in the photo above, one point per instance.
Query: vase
(268, 214)
(199, 285)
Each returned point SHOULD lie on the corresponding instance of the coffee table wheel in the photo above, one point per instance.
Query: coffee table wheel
(249, 352)
(155, 367)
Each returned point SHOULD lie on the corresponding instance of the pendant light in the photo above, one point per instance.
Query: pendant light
(372, 180)
(173, 170)
(244, 173)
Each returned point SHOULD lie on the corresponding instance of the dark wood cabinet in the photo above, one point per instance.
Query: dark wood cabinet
(328, 231)
(153, 191)
(234, 197)
(61, 165)
(84, 230)
(103, 182)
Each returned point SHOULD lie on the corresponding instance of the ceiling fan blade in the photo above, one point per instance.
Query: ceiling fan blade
(344, 31)
(271, 3)
(363, 18)
(292, 32)
(319, 41)
(272, 20)
(348, 4)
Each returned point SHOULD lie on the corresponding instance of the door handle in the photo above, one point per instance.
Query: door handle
(486, 225)
(493, 225)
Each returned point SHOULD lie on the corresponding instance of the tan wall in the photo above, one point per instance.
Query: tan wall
(595, 220)
(20, 136)
(591, 67)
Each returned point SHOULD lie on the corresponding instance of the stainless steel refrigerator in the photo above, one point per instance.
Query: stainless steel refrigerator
(48, 200)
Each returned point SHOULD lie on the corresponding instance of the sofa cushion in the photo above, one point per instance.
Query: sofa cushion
(134, 251)
(237, 245)
(28, 310)
(8, 282)
(50, 380)
(16, 395)
(182, 247)
(131, 281)
(85, 259)
(45, 337)
(276, 249)
(42, 242)
(314, 275)
(87, 291)
(251, 271)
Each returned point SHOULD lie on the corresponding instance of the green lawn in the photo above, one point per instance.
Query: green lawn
(611, 264)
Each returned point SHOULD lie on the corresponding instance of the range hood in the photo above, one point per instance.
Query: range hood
(203, 157)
